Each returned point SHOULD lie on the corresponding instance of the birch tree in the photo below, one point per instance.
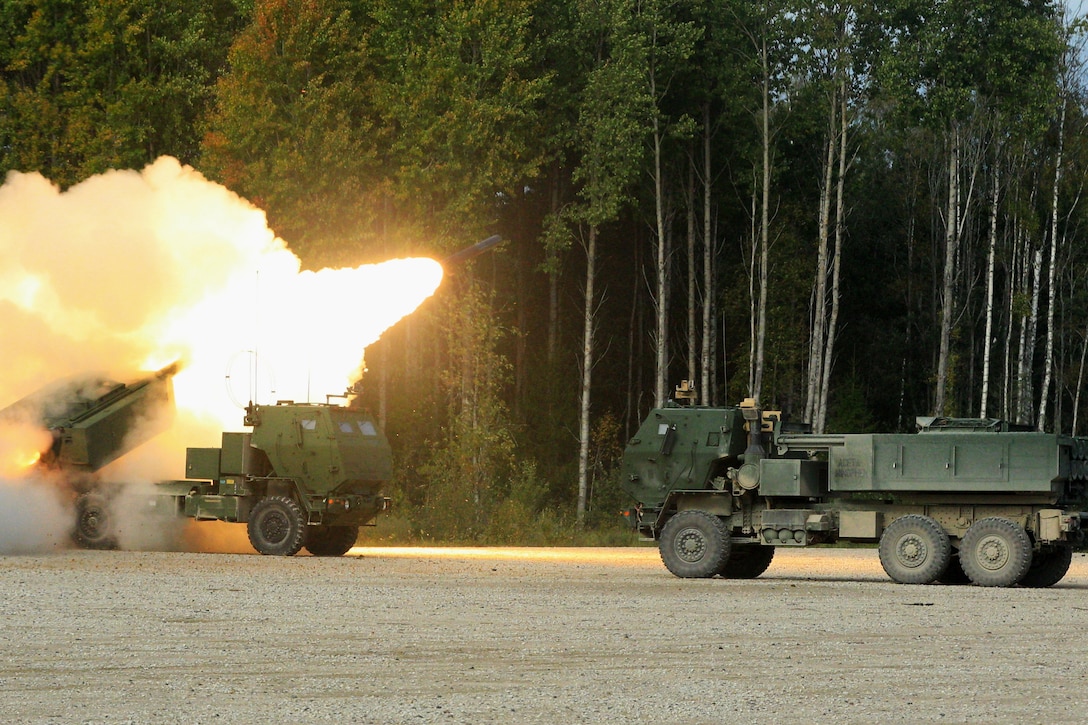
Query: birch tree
(612, 115)
(766, 28)
(828, 27)
(668, 40)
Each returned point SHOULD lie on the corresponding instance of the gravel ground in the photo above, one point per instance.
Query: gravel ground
(390, 635)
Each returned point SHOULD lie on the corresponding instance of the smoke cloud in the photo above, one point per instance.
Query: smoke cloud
(131, 270)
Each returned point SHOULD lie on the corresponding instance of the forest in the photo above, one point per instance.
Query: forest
(856, 212)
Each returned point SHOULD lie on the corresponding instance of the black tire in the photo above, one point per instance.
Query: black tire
(276, 526)
(915, 549)
(1048, 567)
(747, 561)
(94, 523)
(331, 540)
(694, 544)
(954, 574)
(995, 552)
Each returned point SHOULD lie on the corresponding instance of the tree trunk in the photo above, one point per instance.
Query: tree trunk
(708, 266)
(662, 264)
(836, 273)
(819, 301)
(991, 255)
(764, 228)
(693, 337)
(951, 243)
(1048, 358)
(1080, 382)
(1029, 327)
(587, 375)
(753, 266)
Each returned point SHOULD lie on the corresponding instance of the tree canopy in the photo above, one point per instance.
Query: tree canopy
(865, 212)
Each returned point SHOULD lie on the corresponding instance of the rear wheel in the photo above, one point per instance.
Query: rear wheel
(995, 552)
(276, 526)
(747, 561)
(1048, 567)
(94, 523)
(694, 544)
(915, 549)
(331, 540)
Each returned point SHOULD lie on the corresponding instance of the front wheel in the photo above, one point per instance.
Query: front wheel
(276, 526)
(694, 544)
(914, 549)
(995, 552)
(331, 540)
(94, 523)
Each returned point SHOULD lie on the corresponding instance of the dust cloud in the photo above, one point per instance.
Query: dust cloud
(34, 517)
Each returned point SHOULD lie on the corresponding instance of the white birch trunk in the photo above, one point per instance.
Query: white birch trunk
(990, 263)
(693, 336)
(587, 376)
(764, 230)
(1048, 358)
(819, 301)
(662, 260)
(836, 274)
(753, 266)
(708, 267)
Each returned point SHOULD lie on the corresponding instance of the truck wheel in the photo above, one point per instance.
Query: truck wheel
(694, 544)
(276, 527)
(94, 523)
(331, 540)
(995, 552)
(915, 549)
(747, 561)
(1048, 567)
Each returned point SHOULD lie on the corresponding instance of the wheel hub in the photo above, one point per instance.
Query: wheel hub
(912, 551)
(274, 527)
(690, 545)
(90, 522)
(993, 553)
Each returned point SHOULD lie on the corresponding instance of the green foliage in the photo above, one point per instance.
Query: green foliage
(850, 412)
(613, 111)
(369, 129)
(461, 100)
(88, 87)
(293, 128)
(473, 468)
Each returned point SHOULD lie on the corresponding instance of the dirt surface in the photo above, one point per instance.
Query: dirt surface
(525, 636)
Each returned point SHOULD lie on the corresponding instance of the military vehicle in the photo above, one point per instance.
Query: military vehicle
(307, 475)
(962, 500)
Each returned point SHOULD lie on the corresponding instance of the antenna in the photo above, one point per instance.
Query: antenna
(256, 335)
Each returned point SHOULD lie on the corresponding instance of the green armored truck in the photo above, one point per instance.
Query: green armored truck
(962, 500)
(308, 475)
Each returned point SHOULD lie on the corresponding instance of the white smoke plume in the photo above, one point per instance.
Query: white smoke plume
(132, 270)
